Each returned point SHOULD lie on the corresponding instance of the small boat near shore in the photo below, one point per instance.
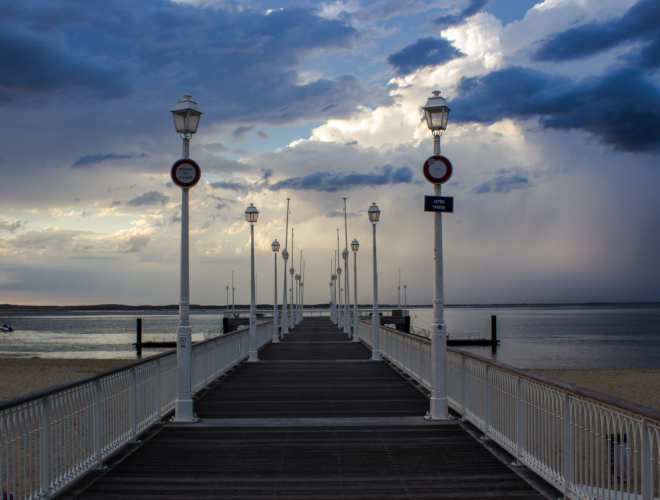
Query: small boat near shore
(6, 328)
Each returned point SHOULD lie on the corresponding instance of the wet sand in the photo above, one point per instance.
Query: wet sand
(23, 375)
(639, 386)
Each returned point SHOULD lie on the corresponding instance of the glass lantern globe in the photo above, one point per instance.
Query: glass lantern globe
(436, 112)
(275, 246)
(252, 214)
(355, 245)
(186, 116)
(344, 254)
(374, 213)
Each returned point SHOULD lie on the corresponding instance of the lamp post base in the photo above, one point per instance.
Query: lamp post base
(439, 409)
(184, 411)
(254, 354)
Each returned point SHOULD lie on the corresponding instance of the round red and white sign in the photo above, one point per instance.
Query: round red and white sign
(437, 169)
(186, 173)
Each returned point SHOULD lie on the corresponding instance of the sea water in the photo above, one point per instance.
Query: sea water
(531, 337)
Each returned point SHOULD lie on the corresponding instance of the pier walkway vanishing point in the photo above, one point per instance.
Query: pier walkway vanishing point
(315, 418)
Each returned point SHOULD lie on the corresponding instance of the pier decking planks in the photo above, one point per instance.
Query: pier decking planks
(315, 419)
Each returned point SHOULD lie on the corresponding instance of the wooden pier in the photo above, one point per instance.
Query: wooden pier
(314, 419)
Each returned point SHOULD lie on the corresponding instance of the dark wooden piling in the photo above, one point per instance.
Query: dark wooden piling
(138, 336)
(493, 329)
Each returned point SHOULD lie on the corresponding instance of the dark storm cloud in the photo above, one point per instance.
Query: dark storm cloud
(424, 52)
(231, 186)
(147, 199)
(640, 24)
(332, 182)
(241, 132)
(621, 107)
(95, 159)
(122, 47)
(503, 182)
(472, 8)
(340, 213)
(35, 63)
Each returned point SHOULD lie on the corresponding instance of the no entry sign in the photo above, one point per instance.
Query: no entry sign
(437, 169)
(186, 173)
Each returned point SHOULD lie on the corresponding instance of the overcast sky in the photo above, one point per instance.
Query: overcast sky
(554, 136)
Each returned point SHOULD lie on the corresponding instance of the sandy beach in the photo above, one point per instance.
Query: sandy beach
(636, 385)
(23, 375)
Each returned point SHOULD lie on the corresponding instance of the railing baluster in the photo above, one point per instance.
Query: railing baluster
(568, 445)
(44, 447)
(97, 422)
(519, 422)
(133, 403)
(159, 404)
(647, 461)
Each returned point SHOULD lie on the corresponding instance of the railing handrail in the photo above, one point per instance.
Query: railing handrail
(564, 386)
(622, 404)
(42, 393)
(411, 335)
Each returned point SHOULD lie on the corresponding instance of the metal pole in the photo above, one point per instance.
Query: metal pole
(233, 306)
(332, 302)
(347, 286)
(297, 300)
(254, 355)
(405, 297)
(338, 284)
(227, 309)
(184, 403)
(439, 409)
(355, 310)
(398, 290)
(276, 333)
(285, 254)
(375, 320)
(335, 306)
(302, 301)
(292, 271)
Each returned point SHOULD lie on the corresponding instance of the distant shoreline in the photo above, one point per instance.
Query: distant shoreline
(243, 307)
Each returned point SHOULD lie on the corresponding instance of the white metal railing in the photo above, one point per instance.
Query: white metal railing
(586, 444)
(51, 437)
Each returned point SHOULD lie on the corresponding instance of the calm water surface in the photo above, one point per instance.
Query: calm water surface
(531, 337)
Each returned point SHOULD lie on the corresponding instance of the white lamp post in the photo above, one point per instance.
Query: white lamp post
(354, 246)
(276, 330)
(339, 288)
(291, 272)
(186, 120)
(302, 293)
(297, 278)
(347, 301)
(374, 217)
(333, 277)
(227, 308)
(437, 114)
(331, 317)
(347, 306)
(285, 256)
(405, 298)
(251, 215)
